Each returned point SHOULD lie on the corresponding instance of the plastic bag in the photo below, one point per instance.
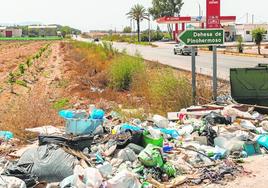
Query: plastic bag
(127, 155)
(160, 121)
(87, 178)
(11, 182)
(151, 156)
(124, 179)
(97, 114)
(214, 118)
(49, 163)
(7, 135)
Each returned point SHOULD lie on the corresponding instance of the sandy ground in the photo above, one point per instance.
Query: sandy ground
(256, 174)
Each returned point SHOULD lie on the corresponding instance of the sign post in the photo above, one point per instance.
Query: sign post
(201, 37)
(193, 76)
(215, 85)
(213, 21)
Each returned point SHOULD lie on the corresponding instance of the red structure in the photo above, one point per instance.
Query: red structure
(213, 14)
(183, 20)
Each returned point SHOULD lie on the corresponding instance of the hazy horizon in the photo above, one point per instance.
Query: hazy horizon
(101, 14)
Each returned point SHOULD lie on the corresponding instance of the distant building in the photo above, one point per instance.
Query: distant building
(245, 31)
(230, 33)
(42, 30)
(10, 32)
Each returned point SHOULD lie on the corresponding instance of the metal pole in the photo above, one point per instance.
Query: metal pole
(193, 76)
(215, 73)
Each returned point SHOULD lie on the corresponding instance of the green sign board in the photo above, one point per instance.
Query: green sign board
(201, 37)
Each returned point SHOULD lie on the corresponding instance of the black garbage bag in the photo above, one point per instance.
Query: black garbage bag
(49, 163)
(209, 133)
(74, 142)
(22, 172)
(134, 137)
(214, 118)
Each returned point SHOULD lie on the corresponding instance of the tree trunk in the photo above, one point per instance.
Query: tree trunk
(259, 49)
(138, 30)
(170, 30)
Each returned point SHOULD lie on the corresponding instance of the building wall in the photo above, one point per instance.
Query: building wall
(15, 32)
(245, 30)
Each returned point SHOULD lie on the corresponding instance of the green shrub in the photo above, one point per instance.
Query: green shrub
(123, 70)
(168, 92)
(105, 50)
(29, 62)
(22, 68)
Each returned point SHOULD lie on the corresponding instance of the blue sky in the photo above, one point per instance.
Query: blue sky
(110, 14)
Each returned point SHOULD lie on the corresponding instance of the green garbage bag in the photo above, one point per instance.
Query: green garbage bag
(151, 156)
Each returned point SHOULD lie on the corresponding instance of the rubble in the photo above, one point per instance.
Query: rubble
(198, 145)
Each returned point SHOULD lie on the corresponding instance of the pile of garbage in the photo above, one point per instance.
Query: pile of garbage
(198, 145)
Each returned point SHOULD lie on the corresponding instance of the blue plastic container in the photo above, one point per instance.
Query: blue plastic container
(72, 114)
(82, 126)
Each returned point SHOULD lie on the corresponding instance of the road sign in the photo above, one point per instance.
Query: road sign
(213, 14)
(201, 37)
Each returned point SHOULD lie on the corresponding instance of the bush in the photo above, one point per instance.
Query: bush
(123, 70)
(240, 46)
(168, 92)
(155, 36)
(22, 68)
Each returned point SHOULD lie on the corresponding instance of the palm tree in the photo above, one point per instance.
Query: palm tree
(138, 13)
(258, 36)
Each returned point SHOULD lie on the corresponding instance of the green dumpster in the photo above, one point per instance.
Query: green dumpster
(250, 85)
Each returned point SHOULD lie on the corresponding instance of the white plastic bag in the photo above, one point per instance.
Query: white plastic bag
(160, 121)
(124, 179)
(11, 182)
(87, 178)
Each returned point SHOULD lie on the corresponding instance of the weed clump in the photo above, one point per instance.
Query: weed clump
(123, 70)
(60, 104)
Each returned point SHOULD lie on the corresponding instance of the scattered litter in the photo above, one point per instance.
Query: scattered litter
(195, 146)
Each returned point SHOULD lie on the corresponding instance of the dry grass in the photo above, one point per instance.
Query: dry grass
(28, 112)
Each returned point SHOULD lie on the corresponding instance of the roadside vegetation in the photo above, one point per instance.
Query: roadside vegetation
(258, 36)
(90, 73)
(158, 88)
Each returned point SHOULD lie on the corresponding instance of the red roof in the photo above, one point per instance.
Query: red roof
(188, 19)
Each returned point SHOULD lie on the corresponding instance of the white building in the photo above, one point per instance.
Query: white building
(10, 32)
(245, 30)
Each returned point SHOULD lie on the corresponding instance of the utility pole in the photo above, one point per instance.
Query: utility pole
(252, 18)
(247, 19)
